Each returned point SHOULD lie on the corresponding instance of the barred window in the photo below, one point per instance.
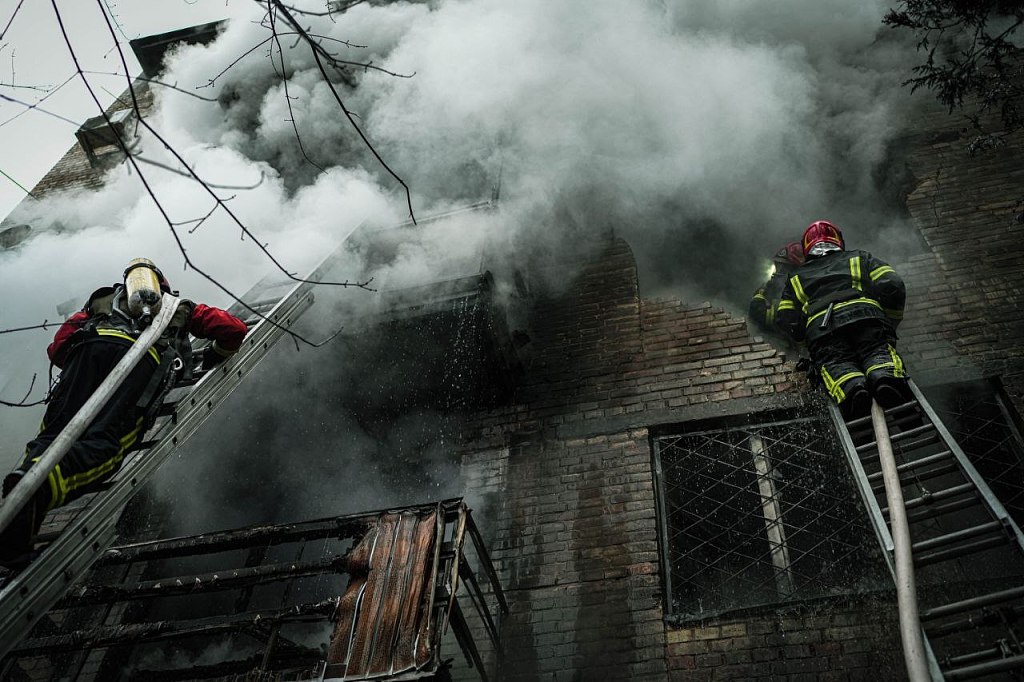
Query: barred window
(760, 515)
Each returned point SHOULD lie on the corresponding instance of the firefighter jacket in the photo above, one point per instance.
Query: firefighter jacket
(763, 303)
(839, 288)
(202, 321)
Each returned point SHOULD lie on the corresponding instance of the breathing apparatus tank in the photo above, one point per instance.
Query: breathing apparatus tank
(142, 289)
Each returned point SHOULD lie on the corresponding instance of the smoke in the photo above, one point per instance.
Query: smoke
(705, 133)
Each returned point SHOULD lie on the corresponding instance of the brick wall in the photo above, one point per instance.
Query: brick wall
(964, 311)
(565, 481)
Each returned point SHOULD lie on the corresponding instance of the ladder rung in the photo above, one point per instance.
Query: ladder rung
(973, 603)
(854, 423)
(928, 498)
(941, 509)
(983, 619)
(955, 536)
(920, 476)
(903, 468)
(961, 551)
(898, 437)
(981, 669)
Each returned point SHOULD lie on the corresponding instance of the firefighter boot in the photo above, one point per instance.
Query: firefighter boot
(857, 404)
(891, 392)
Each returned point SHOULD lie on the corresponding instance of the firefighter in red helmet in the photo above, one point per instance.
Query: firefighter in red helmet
(763, 303)
(86, 347)
(845, 305)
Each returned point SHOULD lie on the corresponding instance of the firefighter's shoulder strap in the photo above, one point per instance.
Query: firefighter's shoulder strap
(175, 362)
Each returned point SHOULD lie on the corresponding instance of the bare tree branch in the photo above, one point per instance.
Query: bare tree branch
(235, 61)
(287, 95)
(318, 51)
(11, 20)
(149, 190)
(171, 169)
(22, 403)
(152, 81)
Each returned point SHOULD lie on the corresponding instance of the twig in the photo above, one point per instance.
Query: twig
(22, 403)
(287, 96)
(316, 49)
(235, 61)
(11, 20)
(156, 201)
(153, 82)
(190, 175)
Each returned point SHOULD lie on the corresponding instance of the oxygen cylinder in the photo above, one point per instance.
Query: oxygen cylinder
(142, 288)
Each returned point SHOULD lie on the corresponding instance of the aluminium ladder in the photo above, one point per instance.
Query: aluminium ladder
(967, 552)
(274, 304)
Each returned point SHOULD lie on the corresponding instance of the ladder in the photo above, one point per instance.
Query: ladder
(26, 597)
(278, 302)
(967, 552)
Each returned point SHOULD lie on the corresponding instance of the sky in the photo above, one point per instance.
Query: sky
(34, 57)
(705, 133)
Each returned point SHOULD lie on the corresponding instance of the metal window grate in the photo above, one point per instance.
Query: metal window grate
(760, 515)
(982, 422)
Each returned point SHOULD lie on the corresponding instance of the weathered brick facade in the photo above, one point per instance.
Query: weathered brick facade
(576, 537)
(563, 478)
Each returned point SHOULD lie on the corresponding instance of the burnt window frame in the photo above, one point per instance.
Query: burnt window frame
(879, 580)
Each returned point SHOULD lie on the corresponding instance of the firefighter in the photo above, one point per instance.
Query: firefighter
(845, 305)
(764, 301)
(86, 348)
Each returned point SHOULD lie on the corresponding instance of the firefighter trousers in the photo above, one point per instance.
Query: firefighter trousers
(860, 354)
(98, 452)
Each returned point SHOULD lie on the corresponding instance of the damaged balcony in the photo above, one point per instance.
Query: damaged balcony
(357, 597)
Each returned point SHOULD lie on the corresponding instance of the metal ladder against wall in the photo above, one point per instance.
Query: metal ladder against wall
(968, 553)
(25, 598)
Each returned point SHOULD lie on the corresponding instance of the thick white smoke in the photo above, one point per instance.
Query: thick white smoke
(705, 133)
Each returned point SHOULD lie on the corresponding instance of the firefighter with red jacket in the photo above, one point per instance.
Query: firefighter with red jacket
(845, 305)
(763, 303)
(86, 347)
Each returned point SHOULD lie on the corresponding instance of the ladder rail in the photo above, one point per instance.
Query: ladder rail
(864, 490)
(970, 472)
(877, 519)
(26, 598)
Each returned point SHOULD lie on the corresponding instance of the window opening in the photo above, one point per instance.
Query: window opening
(760, 515)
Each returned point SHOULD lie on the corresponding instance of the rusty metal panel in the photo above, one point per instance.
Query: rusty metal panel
(383, 626)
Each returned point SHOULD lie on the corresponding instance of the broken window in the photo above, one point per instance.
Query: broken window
(760, 515)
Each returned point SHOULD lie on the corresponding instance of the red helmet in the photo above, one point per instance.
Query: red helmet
(822, 231)
(791, 253)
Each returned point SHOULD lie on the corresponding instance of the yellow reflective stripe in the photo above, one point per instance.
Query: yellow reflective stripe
(798, 289)
(67, 485)
(897, 363)
(839, 306)
(759, 297)
(785, 305)
(769, 315)
(855, 273)
(835, 386)
(881, 365)
(878, 272)
(122, 335)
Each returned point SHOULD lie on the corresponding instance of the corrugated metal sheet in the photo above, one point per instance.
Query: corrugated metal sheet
(384, 617)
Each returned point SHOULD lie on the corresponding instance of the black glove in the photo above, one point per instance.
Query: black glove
(211, 358)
